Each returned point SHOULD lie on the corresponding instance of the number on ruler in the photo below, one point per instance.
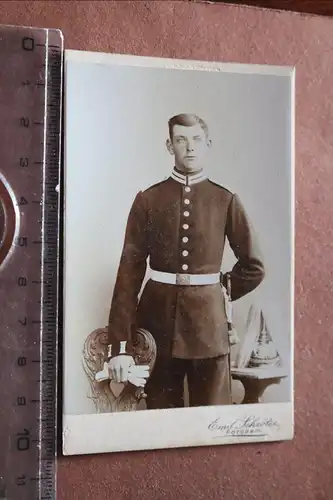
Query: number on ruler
(28, 43)
(20, 481)
(21, 360)
(25, 122)
(22, 281)
(23, 440)
(24, 161)
(22, 201)
(22, 241)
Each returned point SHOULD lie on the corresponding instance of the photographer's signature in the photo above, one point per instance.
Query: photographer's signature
(245, 426)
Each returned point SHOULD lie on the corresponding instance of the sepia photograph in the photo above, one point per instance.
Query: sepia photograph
(178, 253)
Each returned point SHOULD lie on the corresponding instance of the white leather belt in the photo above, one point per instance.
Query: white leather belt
(185, 279)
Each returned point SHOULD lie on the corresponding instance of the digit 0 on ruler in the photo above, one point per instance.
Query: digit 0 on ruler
(31, 62)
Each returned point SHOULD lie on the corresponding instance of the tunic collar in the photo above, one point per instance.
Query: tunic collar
(188, 179)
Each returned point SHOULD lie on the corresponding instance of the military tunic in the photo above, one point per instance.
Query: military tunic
(180, 225)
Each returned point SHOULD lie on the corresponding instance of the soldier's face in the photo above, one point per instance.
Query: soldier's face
(189, 146)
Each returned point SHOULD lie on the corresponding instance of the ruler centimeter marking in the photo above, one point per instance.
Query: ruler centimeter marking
(31, 62)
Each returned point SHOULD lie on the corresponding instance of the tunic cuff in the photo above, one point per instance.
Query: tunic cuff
(119, 348)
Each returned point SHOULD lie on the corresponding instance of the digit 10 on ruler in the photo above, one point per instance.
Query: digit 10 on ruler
(31, 62)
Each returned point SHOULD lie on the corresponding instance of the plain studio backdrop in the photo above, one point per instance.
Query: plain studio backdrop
(116, 127)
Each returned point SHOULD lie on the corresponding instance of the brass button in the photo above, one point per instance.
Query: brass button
(185, 253)
(186, 201)
(185, 226)
(185, 239)
(186, 213)
(184, 267)
(187, 189)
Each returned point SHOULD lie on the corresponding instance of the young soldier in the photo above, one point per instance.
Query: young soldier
(182, 224)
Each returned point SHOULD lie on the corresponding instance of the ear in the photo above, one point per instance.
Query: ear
(209, 143)
(170, 146)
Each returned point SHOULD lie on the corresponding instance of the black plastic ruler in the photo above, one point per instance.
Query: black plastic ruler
(31, 68)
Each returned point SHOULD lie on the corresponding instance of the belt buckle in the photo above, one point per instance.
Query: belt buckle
(183, 279)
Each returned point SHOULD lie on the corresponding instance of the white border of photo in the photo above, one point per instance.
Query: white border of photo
(188, 427)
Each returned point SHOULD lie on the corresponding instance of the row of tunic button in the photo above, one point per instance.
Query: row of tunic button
(186, 213)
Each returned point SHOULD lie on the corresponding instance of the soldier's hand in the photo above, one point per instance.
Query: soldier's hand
(119, 367)
(138, 374)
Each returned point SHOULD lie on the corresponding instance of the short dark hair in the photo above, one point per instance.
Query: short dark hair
(188, 120)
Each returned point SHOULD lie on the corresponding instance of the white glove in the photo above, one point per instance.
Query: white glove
(119, 367)
(138, 374)
(130, 372)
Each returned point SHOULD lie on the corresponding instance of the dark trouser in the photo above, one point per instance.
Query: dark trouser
(208, 380)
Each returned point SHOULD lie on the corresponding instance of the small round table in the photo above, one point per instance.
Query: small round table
(256, 380)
